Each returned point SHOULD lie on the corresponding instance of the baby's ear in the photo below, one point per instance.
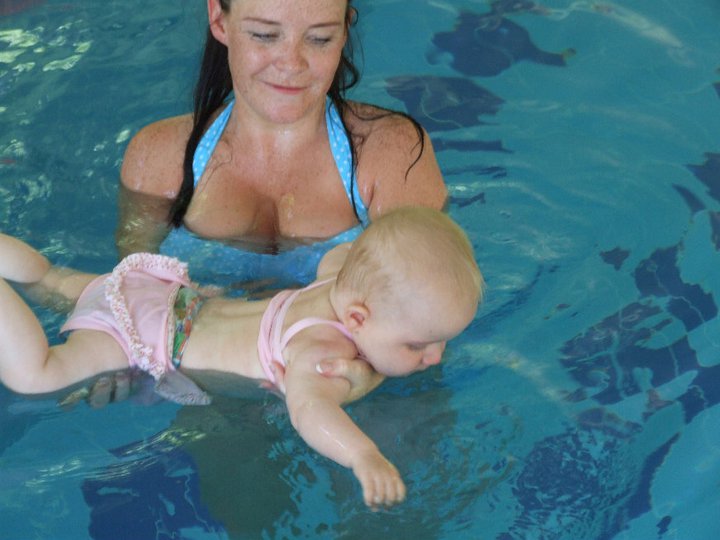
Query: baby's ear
(355, 315)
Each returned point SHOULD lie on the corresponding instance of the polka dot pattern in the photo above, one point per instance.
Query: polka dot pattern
(217, 263)
(209, 141)
(339, 146)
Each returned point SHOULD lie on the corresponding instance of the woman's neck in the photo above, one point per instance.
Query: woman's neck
(258, 133)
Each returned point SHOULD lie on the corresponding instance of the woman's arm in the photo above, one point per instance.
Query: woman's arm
(392, 171)
(142, 222)
(150, 178)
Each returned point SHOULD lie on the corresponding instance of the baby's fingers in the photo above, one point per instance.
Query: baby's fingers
(384, 490)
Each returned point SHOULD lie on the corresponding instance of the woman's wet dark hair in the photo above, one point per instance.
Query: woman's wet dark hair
(214, 85)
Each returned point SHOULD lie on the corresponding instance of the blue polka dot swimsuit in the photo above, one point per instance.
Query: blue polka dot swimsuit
(213, 262)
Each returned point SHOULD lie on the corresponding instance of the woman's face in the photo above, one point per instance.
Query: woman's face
(283, 54)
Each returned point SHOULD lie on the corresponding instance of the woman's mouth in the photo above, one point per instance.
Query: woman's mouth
(286, 89)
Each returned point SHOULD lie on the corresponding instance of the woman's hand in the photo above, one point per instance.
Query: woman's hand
(362, 377)
(113, 388)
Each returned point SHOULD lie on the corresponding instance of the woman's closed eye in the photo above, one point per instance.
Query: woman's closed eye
(319, 40)
(263, 36)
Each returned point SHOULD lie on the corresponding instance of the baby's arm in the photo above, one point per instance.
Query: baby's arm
(314, 405)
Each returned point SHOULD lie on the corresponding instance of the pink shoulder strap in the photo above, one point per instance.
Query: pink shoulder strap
(272, 341)
(302, 324)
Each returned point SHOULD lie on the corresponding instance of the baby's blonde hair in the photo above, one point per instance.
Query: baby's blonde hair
(408, 247)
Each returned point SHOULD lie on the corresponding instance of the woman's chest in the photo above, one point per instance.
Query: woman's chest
(255, 201)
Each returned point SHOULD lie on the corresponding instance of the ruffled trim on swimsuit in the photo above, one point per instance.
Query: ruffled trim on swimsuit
(141, 355)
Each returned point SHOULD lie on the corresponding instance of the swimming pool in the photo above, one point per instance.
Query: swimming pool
(580, 144)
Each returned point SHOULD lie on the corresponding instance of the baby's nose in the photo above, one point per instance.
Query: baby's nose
(433, 354)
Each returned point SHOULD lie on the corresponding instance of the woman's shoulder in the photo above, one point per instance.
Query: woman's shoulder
(370, 121)
(383, 134)
(153, 161)
(394, 148)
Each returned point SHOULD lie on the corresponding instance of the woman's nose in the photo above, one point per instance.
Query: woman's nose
(292, 57)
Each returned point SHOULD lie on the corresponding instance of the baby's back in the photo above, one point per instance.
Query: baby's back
(224, 337)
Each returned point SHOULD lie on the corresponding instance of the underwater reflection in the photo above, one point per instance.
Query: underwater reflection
(239, 467)
(487, 44)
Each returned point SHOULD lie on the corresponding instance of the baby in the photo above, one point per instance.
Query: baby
(394, 298)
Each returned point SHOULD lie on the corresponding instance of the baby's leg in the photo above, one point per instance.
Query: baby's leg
(23, 345)
(25, 364)
(19, 262)
(59, 289)
(22, 339)
(29, 366)
(48, 285)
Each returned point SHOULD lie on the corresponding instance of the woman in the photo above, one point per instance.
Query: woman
(275, 166)
(274, 160)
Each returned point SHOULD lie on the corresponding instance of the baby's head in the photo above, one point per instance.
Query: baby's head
(409, 284)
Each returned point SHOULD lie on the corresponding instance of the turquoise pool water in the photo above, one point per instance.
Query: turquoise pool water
(580, 141)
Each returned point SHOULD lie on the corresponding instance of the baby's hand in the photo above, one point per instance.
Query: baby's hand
(380, 480)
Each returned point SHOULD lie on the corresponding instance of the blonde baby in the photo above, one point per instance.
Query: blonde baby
(393, 298)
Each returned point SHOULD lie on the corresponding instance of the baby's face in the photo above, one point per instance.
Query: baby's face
(402, 339)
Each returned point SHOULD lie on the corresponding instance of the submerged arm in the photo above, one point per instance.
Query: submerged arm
(142, 222)
(150, 178)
